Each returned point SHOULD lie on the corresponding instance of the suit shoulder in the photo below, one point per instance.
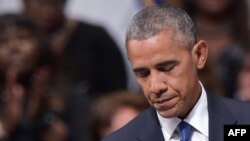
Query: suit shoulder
(235, 104)
(240, 109)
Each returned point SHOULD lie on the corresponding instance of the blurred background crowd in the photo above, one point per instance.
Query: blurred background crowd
(64, 75)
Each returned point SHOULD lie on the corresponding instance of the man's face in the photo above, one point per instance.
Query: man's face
(18, 50)
(167, 74)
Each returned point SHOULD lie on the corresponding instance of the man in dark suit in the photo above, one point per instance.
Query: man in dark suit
(166, 57)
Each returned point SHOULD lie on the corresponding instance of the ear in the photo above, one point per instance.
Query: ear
(200, 53)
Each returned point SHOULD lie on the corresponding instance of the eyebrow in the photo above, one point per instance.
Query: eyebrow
(166, 63)
(138, 69)
(161, 64)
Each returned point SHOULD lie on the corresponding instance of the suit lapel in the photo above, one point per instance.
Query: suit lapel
(219, 115)
(152, 131)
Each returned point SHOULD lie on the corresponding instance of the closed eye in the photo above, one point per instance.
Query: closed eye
(167, 66)
(141, 72)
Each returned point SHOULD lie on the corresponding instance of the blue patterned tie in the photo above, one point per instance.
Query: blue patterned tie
(185, 131)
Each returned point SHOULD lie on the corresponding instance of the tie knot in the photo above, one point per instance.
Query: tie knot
(185, 131)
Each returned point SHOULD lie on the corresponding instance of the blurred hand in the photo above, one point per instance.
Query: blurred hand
(39, 86)
(14, 95)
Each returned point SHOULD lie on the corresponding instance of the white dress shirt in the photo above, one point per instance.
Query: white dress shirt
(198, 118)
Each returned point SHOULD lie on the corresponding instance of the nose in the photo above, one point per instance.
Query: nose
(157, 84)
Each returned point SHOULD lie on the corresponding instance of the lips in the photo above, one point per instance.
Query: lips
(164, 103)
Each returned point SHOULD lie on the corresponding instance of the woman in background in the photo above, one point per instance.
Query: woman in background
(26, 78)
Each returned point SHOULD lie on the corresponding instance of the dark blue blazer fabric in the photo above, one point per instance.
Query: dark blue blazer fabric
(222, 111)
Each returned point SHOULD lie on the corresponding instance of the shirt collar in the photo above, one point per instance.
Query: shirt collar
(168, 125)
(198, 117)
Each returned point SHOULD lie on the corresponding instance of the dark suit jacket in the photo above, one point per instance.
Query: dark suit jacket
(221, 111)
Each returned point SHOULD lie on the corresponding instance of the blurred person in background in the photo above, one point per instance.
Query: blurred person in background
(85, 54)
(224, 25)
(113, 111)
(90, 54)
(51, 127)
(146, 3)
(243, 81)
(25, 76)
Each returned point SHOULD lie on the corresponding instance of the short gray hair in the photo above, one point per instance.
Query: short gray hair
(155, 19)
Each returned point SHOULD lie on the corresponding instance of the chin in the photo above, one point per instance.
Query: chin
(168, 114)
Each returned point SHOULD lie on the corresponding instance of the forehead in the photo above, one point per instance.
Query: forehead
(161, 47)
(162, 41)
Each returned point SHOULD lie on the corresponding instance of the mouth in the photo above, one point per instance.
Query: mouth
(164, 103)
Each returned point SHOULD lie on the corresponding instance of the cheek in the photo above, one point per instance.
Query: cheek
(184, 78)
(181, 86)
(144, 88)
(30, 51)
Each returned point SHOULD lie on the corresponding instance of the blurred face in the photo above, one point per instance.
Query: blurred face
(167, 73)
(243, 83)
(46, 13)
(57, 132)
(212, 7)
(18, 49)
(120, 118)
